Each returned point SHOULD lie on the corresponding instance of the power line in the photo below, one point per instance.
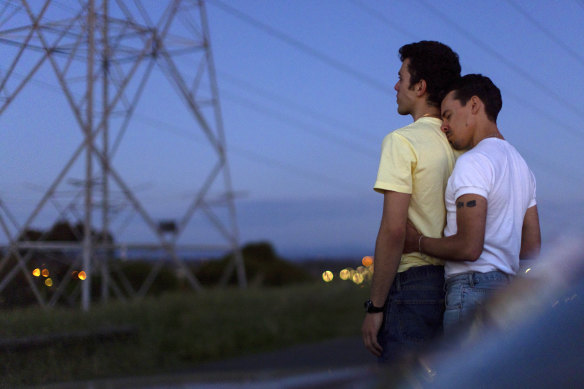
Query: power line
(510, 64)
(304, 48)
(308, 174)
(300, 108)
(156, 123)
(350, 145)
(251, 155)
(553, 169)
(299, 125)
(538, 111)
(286, 119)
(377, 15)
(547, 32)
(569, 129)
(259, 108)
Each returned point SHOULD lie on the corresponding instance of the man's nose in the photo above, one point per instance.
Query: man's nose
(396, 86)
(444, 127)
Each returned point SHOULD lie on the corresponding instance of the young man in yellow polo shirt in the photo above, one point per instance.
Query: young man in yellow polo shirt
(407, 294)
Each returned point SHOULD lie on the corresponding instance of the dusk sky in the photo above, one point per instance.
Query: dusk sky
(306, 94)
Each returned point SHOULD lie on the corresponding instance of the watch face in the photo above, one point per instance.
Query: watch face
(369, 305)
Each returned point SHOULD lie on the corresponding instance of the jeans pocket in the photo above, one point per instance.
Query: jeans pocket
(453, 298)
(419, 321)
(453, 309)
(452, 318)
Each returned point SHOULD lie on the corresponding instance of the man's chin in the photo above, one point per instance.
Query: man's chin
(458, 147)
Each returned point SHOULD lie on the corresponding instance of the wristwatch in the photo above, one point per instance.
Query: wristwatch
(370, 308)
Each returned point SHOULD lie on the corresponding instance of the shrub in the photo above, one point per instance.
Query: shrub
(262, 267)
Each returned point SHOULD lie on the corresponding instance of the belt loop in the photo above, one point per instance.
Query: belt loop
(471, 280)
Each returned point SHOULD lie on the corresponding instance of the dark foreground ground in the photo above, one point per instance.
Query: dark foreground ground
(339, 363)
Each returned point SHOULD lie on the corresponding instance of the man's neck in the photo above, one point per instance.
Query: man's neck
(426, 111)
(490, 130)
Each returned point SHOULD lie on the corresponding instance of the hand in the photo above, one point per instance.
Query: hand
(412, 238)
(370, 329)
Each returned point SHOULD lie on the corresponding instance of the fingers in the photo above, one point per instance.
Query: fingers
(370, 329)
(373, 346)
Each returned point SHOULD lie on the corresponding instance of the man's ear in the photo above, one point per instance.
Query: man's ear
(420, 88)
(475, 104)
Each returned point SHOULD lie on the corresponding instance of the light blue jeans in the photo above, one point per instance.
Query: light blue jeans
(465, 293)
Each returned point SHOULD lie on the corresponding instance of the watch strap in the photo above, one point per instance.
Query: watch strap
(370, 308)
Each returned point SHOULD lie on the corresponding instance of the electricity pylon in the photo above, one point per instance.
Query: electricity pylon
(102, 55)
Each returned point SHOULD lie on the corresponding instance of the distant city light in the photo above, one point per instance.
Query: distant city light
(327, 276)
(49, 282)
(345, 274)
(358, 278)
(45, 273)
(367, 261)
(36, 272)
(82, 276)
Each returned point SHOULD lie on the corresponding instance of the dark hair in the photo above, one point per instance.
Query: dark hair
(482, 87)
(433, 62)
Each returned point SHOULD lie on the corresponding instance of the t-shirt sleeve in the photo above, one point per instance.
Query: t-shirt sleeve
(398, 160)
(472, 174)
(532, 201)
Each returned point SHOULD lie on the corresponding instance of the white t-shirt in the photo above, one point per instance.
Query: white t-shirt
(494, 170)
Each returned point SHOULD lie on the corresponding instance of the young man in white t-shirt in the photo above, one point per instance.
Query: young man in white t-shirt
(492, 218)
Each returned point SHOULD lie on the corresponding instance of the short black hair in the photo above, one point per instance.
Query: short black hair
(482, 87)
(433, 62)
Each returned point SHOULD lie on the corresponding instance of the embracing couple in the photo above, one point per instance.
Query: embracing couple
(459, 207)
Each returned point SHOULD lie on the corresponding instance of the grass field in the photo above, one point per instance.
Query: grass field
(177, 331)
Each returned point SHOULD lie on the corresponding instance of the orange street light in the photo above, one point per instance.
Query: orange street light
(367, 261)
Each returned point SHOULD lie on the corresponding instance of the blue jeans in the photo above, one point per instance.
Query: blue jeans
(413, 313)
(465, 293)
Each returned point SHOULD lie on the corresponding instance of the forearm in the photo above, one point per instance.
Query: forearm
(530, 252)
(451, 248)
(467, 243)
(388, 250)
(530, 235)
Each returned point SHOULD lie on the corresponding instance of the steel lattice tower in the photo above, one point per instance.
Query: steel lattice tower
(102, 55)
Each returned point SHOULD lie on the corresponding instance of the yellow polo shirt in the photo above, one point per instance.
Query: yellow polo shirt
(417, 159)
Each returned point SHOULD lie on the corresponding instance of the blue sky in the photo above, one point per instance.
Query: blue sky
(306, 91)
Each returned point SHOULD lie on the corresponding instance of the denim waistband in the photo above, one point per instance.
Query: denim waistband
(476, 277)
(418, 273)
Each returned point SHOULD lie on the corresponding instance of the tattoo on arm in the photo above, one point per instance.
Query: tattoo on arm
(469, 204)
